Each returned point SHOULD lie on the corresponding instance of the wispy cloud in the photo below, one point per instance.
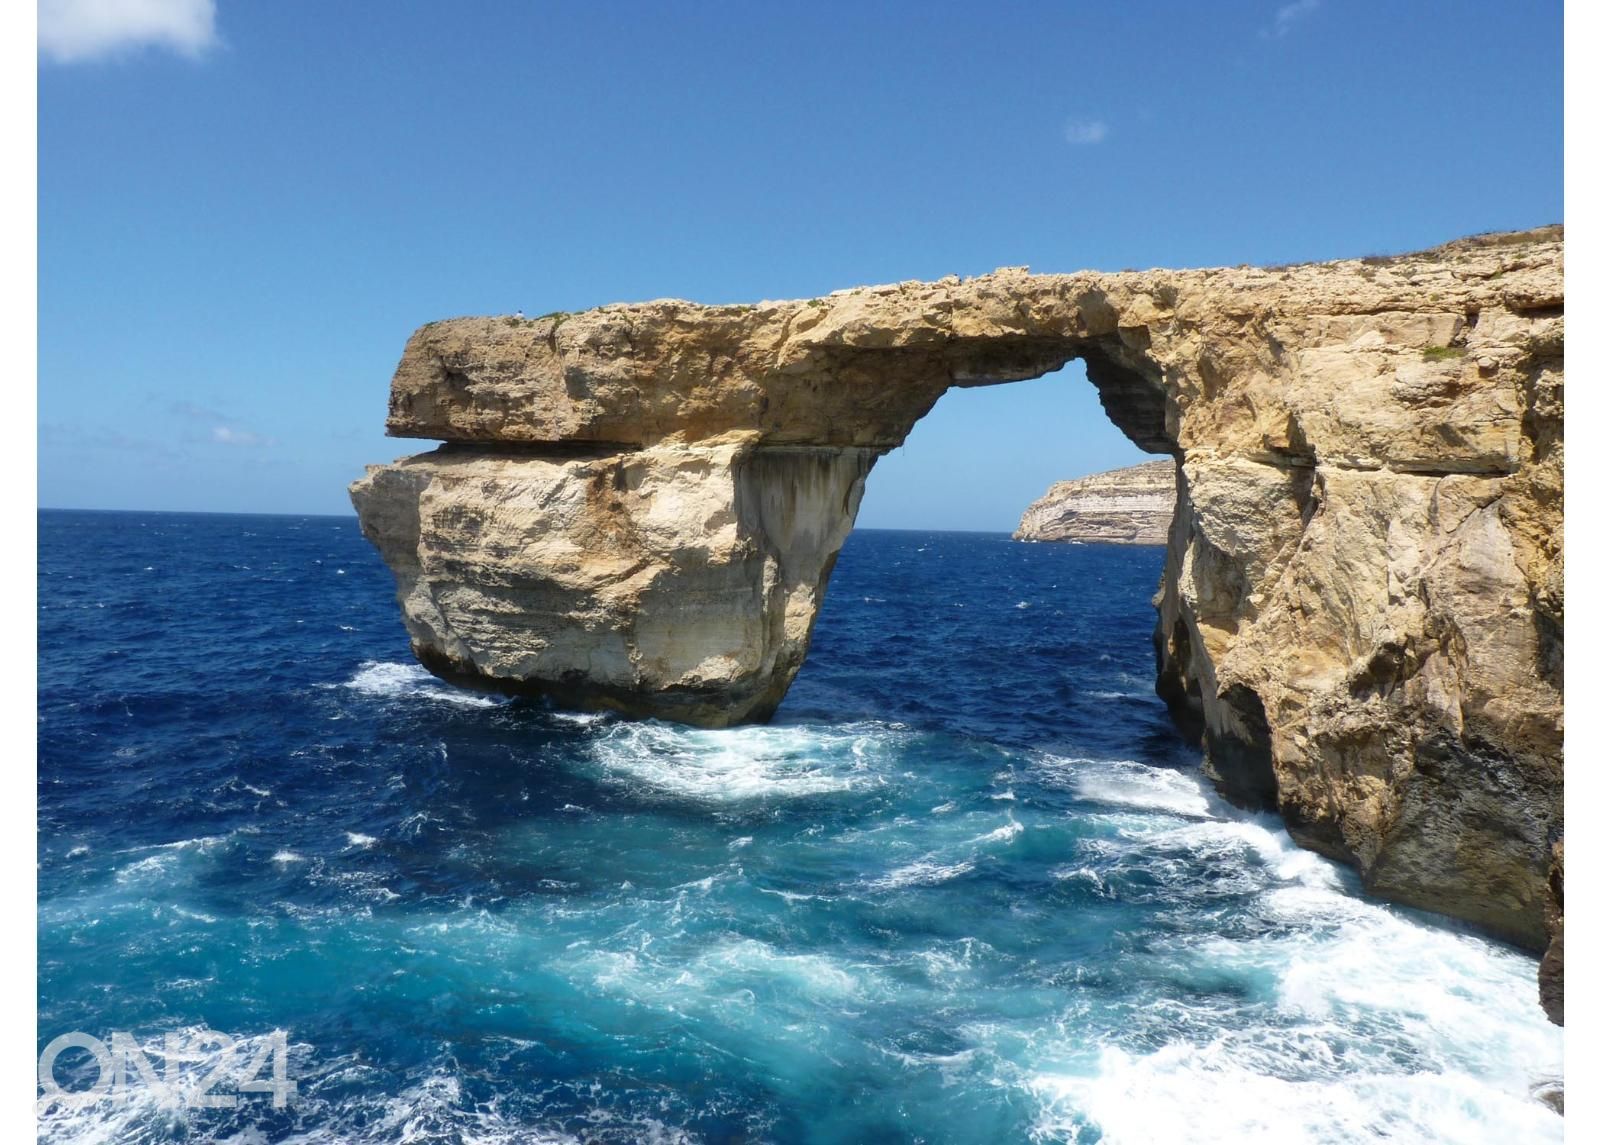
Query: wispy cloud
(73, 31)
(1288, 16)
(220, 429)
(1081, 132)
(228, 435)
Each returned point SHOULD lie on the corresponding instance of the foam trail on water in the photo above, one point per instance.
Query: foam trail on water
(1127, 783)
(741, 764)
(924, 872)
(387, 680)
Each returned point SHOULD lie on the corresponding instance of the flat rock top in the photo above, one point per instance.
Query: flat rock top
(859, 366)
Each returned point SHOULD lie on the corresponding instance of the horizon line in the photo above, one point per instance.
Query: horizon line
(351, 516)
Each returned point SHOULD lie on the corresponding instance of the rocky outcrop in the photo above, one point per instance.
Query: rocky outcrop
(1361, 615)
(669, 581)
(1131, 506)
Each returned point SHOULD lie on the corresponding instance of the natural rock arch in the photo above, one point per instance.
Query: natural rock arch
(638, 507)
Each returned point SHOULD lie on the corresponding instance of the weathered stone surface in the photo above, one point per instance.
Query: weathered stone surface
(1361, 614)
(671, 581)
(1130, 506)
(1553, 967)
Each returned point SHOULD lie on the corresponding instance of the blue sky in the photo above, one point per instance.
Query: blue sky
(245, 209)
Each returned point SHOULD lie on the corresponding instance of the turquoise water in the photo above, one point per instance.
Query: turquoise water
(967, 887)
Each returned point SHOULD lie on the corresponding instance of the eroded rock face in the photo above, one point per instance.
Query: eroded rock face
(1361, 614)
(1129, 506)
(671, 581)
(1553, 966)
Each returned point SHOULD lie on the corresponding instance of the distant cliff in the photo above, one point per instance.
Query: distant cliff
(1131, 506)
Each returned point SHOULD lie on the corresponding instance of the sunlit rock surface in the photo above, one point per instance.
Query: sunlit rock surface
(673, 581)
(1130, 506)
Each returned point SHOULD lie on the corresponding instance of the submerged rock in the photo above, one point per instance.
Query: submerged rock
(1130, 506)
(1361, 615)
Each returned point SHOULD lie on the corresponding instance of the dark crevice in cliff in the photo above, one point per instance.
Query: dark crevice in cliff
(1552, 968)
(1177, 684)
(560, 450)
(1239, 751)
(1552, 647)
(1435, 468)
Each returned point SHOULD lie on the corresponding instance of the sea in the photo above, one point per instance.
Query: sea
(968, 886)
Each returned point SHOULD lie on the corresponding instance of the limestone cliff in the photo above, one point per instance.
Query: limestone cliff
(670, 581)
(1131, 506)
(1361, 615)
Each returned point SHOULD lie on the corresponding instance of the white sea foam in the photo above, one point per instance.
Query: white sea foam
(1004, 834)
(200, 843)
(1247, 844)
(148, 868)
(167, 1111)
(1126, 783)
(1371, 1026)
(434, 1109)
(740, 764)
(922, 873)
(725, 976)
(161, 862)
(1086, 875)
(196, 915)
(949, 963)
(582, 719)
(1224, 1091)
(405, 681)
(358, 841)
(790, 896)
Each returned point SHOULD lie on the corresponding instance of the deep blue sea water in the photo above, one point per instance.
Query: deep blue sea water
(967, 887)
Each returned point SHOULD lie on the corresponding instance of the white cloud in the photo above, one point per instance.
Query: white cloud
(227, 435)
(1085, 131)
(1288, 16)
(75, 30)
(218, 428)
